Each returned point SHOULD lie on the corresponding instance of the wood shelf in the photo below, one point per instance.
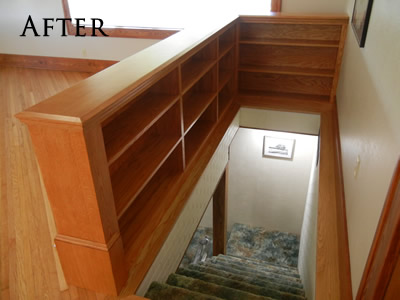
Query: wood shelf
(225, 97)
(290, 42)
(122, 129)
(197, 99)
(287, 70)
(135, 167)
(307, 35)
(198, 64)
(144, 215)
(200, 130)
(285, 83)
(226, 67)
(198, 104)
(226, 41)
(195, 72)
(289, 57)
(224, 77)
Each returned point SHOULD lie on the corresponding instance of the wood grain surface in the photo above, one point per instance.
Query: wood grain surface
(27, 264)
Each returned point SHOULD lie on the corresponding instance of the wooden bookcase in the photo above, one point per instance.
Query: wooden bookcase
(121, 151)
(290, 59)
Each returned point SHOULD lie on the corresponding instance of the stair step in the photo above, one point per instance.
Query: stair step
(161, 291)
(208, 288)
(258, 266)
(239, 285)
(255, 271)
(254, 280)
(260, 262)
(263, 276)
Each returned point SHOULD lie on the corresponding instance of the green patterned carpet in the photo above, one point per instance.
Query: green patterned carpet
(259, 265)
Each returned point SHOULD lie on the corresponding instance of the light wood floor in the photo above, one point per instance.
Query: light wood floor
(27, 265)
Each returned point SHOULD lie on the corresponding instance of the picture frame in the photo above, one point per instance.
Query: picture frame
(278, 147)
(360, 20)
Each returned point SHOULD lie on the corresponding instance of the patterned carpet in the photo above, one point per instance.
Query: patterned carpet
(259, 265)
(275, 247)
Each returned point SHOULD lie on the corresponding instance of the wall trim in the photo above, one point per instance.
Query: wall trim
(54, 63)
(344, 257)
(385, 248)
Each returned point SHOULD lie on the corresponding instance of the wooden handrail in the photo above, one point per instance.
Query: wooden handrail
(333, 265)
(167, 152)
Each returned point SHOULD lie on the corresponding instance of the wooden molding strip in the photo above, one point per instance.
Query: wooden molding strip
(332, 282)
(385, 248)
(344, 253)
(54, 63)
(89, 244)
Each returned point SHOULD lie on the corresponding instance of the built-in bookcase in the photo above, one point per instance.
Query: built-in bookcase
(151, 140)
(198, 97)
(294, 61)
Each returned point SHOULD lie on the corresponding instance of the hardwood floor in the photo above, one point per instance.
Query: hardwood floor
(27, 264)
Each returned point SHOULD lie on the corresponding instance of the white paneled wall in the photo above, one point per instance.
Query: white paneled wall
(308, 241)
(171, 253)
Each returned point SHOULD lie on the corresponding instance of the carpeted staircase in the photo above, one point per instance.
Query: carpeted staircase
(232, 277)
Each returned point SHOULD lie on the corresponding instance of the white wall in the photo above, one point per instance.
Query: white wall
(13, 17)
(268, 192)
(273, 120)
(308, 240)
(369, 117)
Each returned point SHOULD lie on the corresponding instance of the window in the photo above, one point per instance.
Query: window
(157, 18)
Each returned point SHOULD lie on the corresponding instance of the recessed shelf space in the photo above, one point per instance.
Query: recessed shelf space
(288, 60)
(225, 97)
(226, 40)
(197, 99)
(291, 34)
(123, 129)
(283, 83)
(226, 69)
(198, 64)
(146, 211)
(200, 130)
(134, 168)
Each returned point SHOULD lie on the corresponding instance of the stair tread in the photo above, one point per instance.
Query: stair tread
(208, 288)
(162, 291)
(258, 261)
(264, 282)
(255, 271)
(239, 284)
(264, 276)
(258, 266)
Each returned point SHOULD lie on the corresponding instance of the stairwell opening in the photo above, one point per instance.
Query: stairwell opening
(270, 203)
(271, 207)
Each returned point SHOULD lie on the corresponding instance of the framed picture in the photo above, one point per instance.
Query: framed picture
(278, 147)
(360, 19)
